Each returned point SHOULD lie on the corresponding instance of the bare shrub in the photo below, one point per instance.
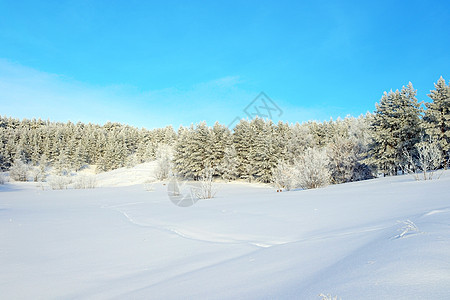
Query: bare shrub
(57, 182)
(429, 159)
(409, 227)
(37, 174)
(205, 188)
(85, 182)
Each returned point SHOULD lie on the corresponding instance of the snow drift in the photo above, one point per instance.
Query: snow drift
(386, 238)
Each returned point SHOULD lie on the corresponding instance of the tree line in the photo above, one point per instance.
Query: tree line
(69, 146)
(311, 154)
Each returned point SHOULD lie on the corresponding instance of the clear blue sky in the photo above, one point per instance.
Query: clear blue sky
(155, 63)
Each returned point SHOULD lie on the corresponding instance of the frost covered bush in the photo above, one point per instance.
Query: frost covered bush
(57, 182)
(37, 174)
(283, 176)
(2, 179)
(311, 169)
(85, 182)
(429, 159)
(163, 161)
(205, 188)
(18, 170)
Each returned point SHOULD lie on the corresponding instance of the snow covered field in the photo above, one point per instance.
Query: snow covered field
(249, 242)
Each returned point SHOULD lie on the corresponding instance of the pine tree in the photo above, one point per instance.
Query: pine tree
(61, 164)
(78, 158)
(170, 136)
(264, 155)
(243, 142)
(360, 135)
(396, 128)
(299, 138)
(3, 142)
(437, 116)
(229, 165)
(281, 136)
(409, 116)
(181, 159)
(201, 154)
(221, 140)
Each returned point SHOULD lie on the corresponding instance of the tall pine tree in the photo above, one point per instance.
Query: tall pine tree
(437, 116)
(396, 128)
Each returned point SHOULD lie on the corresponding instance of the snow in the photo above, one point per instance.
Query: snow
(250, 242)
(139, 174)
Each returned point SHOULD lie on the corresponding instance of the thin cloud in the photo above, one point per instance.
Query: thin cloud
(27, 93)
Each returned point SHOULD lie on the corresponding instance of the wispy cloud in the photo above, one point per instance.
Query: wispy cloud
(27, 93)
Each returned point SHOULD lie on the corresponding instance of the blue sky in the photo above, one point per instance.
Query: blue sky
(155, 63)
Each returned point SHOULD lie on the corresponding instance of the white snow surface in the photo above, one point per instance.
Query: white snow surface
(249, 242)
(139, 174)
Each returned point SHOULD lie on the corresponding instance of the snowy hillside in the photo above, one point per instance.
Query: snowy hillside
(351, 240)
(139, 174)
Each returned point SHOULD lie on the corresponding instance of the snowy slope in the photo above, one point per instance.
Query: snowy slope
(249, 242)
(127, 176)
